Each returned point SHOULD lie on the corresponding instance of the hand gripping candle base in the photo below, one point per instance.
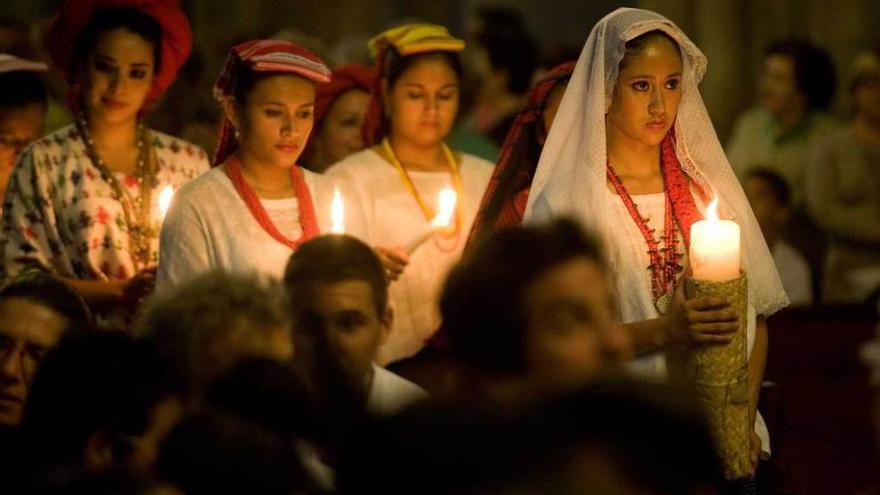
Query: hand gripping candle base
(719, 372)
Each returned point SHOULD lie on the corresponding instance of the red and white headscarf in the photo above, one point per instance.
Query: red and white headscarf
(261, 56)
(71, 21)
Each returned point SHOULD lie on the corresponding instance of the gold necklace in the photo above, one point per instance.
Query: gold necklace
(407, 181)
(135, 210)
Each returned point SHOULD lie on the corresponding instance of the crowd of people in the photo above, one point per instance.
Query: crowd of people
(285, 315)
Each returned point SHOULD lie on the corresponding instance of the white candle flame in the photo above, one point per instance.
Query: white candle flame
(337, 214)
(165, 199)
(446, 208)
(712, 210)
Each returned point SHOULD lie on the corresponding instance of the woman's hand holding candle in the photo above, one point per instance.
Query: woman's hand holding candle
(394, 260)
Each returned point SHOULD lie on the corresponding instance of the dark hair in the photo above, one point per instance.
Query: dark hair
(509, 46)
(635, 46)
(396, 64)
(217, 452)
(331, 259)
(21, 88)
(779, 186)
(814, 72)
(183, 321)
(46, 290)
(109, 19)
(247, 78)
(104, 382)
(481, 304)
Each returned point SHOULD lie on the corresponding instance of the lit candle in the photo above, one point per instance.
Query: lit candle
(337, 214)
(715, 247)
(165, 201)
(446, 208)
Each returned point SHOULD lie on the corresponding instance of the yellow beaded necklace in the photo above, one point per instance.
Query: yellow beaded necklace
(407, 181)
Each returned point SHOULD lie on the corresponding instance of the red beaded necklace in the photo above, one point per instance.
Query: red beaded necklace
(307, 218)
(664, 265)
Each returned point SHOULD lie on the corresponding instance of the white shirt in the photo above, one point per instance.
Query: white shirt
(392, 217)
(390, 393)
(209, 226)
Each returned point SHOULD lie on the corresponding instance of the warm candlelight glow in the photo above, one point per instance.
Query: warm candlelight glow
(165, 200)
(446, 208)
(715, 247)
(337, 214)
(446, 201)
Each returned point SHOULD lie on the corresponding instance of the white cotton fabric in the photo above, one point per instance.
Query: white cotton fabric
(208, 226)
(390, 393)
(570, 178)
(392, 217)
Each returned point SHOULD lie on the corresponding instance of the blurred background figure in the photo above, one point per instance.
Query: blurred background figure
(504, 58)
(340, 107)
(770, 199)
(524, 298)
(796, 88)
(842, 181)
(205, 326)
(23, 104)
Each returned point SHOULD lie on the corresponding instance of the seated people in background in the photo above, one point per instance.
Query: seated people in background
(505, 199)
(36, 311)
(529, 312)
(205, 326)
(797, 87)
(843, 180)
(100, 403)
(23, 103)
(340, 107)
(770, 198)
(337, 296)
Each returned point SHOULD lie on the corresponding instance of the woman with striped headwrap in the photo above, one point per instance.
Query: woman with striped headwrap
(257, 205)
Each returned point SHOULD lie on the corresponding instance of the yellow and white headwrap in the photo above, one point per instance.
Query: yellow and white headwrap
(406, 40)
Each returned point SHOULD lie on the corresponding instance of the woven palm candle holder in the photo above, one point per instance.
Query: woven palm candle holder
(719, 375)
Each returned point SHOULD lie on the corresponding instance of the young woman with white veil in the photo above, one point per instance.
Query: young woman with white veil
(633, 155)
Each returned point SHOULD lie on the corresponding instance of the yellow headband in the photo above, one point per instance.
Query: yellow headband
(416, 38)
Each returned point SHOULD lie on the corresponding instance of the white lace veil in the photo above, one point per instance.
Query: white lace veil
(570, 178)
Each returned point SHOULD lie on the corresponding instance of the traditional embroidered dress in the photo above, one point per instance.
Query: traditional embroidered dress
(62, 215)
(504, 203)
(573, 173)
(219, 222)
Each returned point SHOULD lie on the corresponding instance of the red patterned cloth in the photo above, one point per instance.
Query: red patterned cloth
(344, 79)
(261, 56)
(504, 201)
(75, 15)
